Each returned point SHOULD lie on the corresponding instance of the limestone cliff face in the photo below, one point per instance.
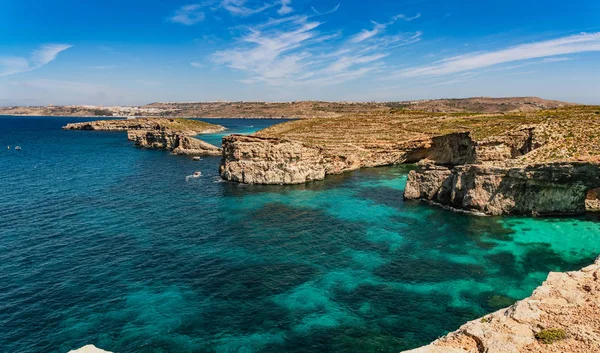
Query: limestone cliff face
(172, 141)
(261, 160)
(509, 145)
(566, 301)
(254, 160)
(543, 189)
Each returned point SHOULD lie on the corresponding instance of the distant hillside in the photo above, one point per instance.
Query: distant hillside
(299, 109)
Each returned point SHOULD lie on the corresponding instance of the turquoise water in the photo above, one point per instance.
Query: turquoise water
(104, 243)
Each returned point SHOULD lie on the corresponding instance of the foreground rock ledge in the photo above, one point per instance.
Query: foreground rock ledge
(566, 301)
(90, 348)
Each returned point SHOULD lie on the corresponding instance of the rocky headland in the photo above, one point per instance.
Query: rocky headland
(541, 163)
(175, 135)
(562, 315)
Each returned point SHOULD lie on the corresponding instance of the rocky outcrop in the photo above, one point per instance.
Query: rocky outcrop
(509, 145)
(172, 141)
(543, 189)
(566, 303)
(90, 348)
(254, 160)
(160, 133)
(185, 127)
(262, 160)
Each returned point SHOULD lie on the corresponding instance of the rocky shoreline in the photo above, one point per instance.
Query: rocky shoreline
(175, 135)
(562, 315)
(529, 165)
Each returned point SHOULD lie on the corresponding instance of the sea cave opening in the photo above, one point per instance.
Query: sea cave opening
(592, 200)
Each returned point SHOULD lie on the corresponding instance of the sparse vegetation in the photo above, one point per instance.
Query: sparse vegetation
(549, 336)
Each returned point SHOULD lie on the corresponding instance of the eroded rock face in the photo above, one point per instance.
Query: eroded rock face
(509, 145)
(565, 301)
(254, 160)
(172, 141)
(261, 160)
(544, 189)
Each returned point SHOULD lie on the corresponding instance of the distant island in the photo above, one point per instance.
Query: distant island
(175, 135)
(296, 109)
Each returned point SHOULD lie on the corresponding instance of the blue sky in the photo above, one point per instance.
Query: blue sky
(136, 52)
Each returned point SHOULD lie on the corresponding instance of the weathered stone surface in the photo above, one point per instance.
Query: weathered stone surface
(261, 160)
(542, 189)
(172, 141)
(509, 145)
(185, 127)
(191, 146)
(159, 133)
(90, 348)
(254, 160)
(568, 301)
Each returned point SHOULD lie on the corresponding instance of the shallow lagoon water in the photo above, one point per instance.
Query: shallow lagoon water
(104, 243)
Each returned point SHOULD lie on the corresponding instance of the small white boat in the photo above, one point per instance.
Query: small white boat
(196, 175)
(18, 148)
(196, 158)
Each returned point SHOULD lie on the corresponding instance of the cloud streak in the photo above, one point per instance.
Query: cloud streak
(292, 51)
(579, 43)
(39, 57)
(188, 15)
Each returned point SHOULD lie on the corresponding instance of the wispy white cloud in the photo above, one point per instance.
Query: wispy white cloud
(39, 57)
(239, 8)
(584, 42)
(554, 60)
(319, 13)
(379, 28)
(197, 64)
(188, 14)
(293, 51)
(285, 7)
(366, 34)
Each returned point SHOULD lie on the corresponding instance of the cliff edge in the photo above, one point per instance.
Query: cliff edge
(540, 163)
(174, 135)
(562, 315)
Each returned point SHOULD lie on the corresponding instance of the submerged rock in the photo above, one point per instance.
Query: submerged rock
(568, 303)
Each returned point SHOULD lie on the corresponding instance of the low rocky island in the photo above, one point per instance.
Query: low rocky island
(174, 135)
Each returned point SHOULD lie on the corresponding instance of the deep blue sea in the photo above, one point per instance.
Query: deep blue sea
(107, 244)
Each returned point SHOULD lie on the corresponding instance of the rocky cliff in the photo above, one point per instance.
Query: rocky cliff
(182, 126)
(539, 164)
(172, 141)
(541, 189)
(169, 134)
(562, 315)
(261, 160)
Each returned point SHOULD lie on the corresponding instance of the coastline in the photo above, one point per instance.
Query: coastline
(561, 315)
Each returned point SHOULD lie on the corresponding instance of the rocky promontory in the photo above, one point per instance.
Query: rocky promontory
(540, 163)
(562, 315)
(174, 135)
